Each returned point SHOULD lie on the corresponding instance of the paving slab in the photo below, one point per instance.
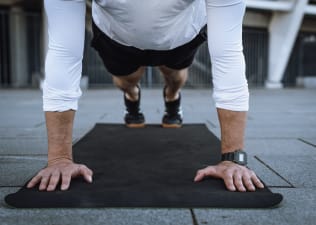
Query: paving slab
(19, 120)
(17, 170)
(280, 132)
(297, 208)
(298, 170)
(9, 216)
(269, 177)
(310, 141)
(278, 147)
(9, 132)
(23, 146)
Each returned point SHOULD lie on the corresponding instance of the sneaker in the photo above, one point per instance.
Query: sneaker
(173, 113)
(133, 118)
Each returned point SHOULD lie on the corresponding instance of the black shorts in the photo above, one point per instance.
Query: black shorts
(121, 60)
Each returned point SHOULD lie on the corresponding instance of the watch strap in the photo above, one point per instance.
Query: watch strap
(238, 156)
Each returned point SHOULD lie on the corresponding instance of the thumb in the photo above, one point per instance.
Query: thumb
(87, 174)
(208, 171)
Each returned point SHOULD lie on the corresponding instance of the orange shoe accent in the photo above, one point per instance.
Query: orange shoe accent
(166, 125)
(135, 125)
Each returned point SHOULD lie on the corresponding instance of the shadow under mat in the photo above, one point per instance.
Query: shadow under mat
(148, 167)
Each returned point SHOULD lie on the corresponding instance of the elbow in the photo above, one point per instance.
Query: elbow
(234, 98)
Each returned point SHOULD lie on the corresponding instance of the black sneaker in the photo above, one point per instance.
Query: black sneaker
(173, 113)
(133, 118)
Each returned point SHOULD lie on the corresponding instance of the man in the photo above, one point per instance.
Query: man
(149, 33)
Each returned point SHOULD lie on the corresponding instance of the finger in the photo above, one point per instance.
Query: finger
(208, 171)
(238, 182)
(248, 183)
(228, 180)
(44, 182)
(256, 181)
(86, 172)
(35, 180)
(199, 175)
(53, 181)
(66, 179)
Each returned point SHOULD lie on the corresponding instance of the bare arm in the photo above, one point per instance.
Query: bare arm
(61, 92)
(236, 177)
(60, 164)
(230, 90)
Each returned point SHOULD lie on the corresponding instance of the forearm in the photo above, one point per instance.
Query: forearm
(233, 125)
(59, 132)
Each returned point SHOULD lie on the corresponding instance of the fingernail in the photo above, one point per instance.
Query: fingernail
(90, 179)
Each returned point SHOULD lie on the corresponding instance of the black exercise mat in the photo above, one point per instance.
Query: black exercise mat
(149, 167)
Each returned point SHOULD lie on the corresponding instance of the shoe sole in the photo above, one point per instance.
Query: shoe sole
(166, 125)
(135, 125)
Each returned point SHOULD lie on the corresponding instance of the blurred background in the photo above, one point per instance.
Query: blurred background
(279, 46)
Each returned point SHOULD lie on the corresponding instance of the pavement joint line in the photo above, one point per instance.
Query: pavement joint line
(306, 142)
(194, 220)
(103, 116)
(274, 171)
(271, 138)
(281, 187)
(76, 140)
(23, 157)
(22, 137)
(10, 186)
(211, 123)
(39, 124)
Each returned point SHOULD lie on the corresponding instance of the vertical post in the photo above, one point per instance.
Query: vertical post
(149, 73)
(283, 29)
(44, 45)
(18, 47)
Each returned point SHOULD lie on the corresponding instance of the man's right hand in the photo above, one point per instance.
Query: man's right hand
(63, 170)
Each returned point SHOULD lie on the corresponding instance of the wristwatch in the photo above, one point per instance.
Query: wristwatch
(238, 156)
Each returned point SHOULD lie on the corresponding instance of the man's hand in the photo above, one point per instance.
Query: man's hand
(63, 170)
(236, 177)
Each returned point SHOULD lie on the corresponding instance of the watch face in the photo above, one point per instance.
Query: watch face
(240, 158)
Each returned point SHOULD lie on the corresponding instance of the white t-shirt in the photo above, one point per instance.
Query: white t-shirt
(145, 24)
(150, 24)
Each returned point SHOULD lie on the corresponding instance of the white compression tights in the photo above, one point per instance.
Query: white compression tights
(66, 25)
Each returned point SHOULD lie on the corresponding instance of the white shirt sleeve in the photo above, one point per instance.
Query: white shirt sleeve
(224, 23)
(63, 67)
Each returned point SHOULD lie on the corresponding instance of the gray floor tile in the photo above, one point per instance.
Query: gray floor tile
(278, 147)
(298, 170)
(9, 216)
(15, 171)
(310, 141)
(266, 175)
(23, 146)
(297, 208)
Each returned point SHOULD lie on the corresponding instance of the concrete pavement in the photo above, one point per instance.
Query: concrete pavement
(280, 138)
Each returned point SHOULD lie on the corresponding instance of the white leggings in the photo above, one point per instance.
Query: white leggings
(66, 27)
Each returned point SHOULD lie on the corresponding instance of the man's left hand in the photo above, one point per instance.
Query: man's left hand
(236, 177)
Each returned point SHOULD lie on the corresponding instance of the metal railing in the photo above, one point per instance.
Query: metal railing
(31, 35)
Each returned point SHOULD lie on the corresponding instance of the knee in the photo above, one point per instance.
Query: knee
(124, 83)
(129, 81)
(174, 76)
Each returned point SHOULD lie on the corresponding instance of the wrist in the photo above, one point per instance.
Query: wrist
(63, 159)
(238, 156)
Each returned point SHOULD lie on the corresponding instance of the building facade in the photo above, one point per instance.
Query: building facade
(279, 45)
